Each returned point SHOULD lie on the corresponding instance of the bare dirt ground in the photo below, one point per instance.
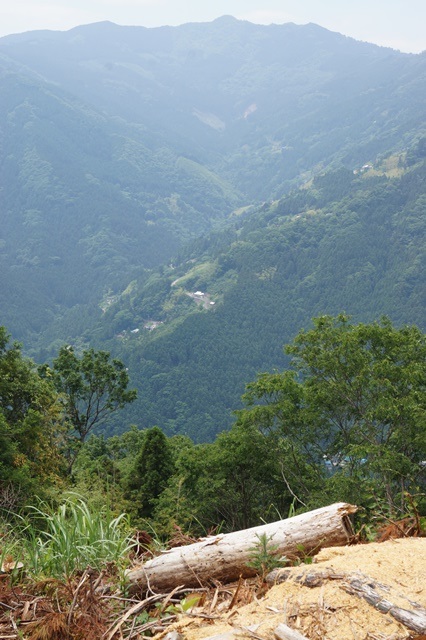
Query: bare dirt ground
(397, 568)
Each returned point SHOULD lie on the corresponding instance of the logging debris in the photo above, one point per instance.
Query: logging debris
(315, 602)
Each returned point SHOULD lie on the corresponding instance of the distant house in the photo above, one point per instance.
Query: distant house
(199, 294)
(152, 324)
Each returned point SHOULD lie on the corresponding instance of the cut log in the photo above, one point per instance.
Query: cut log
(225, 557)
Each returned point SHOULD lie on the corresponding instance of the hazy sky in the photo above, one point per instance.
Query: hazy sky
(400, 24)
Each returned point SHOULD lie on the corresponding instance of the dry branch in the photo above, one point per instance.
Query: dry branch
(225, 557)
(367, 589)
(132, 611)
(364, 587)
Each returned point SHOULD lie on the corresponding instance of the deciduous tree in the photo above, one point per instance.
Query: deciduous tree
(93, 386)
(354, 402)
(30, 429)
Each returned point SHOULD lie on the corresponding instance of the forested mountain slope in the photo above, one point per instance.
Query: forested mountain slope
(85, 205)
(351, 242)
(121, 145)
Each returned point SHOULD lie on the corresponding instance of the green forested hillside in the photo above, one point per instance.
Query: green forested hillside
(350, 242)
(85, 205)
(142, 166)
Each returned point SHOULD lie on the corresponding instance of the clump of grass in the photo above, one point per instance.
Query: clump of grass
(10, 548)
(68, 540)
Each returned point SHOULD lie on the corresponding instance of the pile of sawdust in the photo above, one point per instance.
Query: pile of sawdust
(327, 611)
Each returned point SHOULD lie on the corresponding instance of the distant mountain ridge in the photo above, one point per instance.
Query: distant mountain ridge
(283, 96)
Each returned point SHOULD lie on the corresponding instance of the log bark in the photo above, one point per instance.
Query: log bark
(224, 557)
(414, 619)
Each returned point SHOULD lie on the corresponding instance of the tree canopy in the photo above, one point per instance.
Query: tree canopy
(30, 427)
(94, 386)
(152, 468)
(354, 403)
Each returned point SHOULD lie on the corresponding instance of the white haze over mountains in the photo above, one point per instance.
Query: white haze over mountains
(392, 23)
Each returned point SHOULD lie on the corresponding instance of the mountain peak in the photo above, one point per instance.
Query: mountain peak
(226, 19)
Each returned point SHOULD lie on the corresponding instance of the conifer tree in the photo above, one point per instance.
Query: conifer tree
(152, 469)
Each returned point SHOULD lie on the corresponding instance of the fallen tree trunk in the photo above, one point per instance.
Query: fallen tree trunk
(225, 557)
